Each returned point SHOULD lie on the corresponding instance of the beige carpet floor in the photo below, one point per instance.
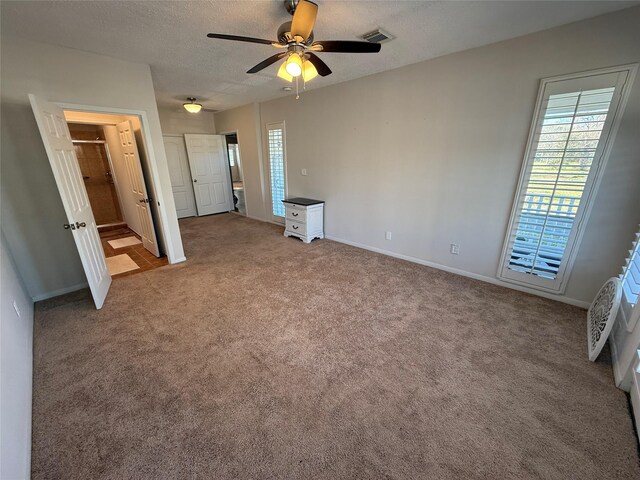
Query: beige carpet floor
(265, 358)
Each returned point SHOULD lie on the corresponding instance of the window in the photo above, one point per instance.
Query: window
(277, 167)
(570, 136)
(631, 285)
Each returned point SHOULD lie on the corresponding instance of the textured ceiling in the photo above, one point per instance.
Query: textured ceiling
(171, 36)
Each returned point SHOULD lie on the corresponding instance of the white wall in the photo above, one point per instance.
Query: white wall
(246, 122)
(32, 213)
(16, 366)
(432, 151)
(177, 121)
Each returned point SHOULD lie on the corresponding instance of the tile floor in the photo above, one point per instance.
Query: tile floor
(145, 259)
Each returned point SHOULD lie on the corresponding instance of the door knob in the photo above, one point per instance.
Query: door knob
(68, 226)
(141, 201)
(195, 180)
(78, 225)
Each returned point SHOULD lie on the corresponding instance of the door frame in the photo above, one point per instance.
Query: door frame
(237, 134)
(155, 176)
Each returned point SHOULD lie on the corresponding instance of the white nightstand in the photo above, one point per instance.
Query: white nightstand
(304, 218)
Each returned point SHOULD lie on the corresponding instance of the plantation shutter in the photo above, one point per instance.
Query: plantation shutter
(631, 284)
(564, 159)
(275, 138)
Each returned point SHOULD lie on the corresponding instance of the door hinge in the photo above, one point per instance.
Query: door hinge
(76, 226)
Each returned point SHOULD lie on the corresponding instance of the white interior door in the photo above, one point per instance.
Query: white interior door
(180, 174)
(138, 187)
(209, 173)
(66, 171)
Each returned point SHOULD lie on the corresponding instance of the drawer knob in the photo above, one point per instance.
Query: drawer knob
(294, 214)
(295, 227)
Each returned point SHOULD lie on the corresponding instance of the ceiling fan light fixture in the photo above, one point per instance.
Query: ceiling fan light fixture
(192, 106)
(308, 71)
(293, 65)
(283, 74)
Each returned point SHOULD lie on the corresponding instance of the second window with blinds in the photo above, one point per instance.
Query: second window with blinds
(571, 134)
(277, 168)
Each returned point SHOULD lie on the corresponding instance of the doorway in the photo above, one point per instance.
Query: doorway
(109, 157)
(133, 128)
(235, 170)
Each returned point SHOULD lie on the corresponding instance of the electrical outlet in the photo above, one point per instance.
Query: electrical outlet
(304, 171)
(455, 249)
(15, 307)
(387, 235)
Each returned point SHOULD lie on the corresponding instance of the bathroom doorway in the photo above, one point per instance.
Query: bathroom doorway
(96, 167)
(110, 155)
(235, 168)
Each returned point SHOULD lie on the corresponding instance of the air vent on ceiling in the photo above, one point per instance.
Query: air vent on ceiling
(377, 36)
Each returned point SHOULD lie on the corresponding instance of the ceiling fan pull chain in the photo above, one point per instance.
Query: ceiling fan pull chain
(297, 90)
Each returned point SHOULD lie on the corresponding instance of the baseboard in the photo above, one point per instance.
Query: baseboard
(265, 221)
(62, 291)
(464, 273)
(178, 260)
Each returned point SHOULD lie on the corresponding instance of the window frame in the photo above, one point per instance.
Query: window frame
(559, 284)
(275, 126)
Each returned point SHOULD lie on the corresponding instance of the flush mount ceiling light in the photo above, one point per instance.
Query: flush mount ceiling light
(192, 106)
(296, 39)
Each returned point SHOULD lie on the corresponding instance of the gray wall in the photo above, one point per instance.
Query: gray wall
(16, 366)
(432, 151)
(177, 121)
(32, 212)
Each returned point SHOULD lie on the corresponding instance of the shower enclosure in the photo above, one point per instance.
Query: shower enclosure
(93, 158)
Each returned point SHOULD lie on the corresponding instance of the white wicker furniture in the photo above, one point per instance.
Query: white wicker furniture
(601, 315)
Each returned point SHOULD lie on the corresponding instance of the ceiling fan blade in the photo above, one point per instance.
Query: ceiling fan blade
(348, 46)
(265, 63)
(304, 18)
(321, 67)
(238, 38)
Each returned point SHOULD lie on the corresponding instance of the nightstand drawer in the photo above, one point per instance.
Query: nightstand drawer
(296, 214)
(295, 227)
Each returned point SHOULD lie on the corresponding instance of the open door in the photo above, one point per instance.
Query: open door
(180, 176)
(210, 173)
(144, 226)
(66, 171)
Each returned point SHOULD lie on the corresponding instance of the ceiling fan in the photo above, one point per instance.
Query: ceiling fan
(296, 37)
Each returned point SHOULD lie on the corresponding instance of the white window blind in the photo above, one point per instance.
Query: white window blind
(631, 284)
(565, 155)
(277, 169)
